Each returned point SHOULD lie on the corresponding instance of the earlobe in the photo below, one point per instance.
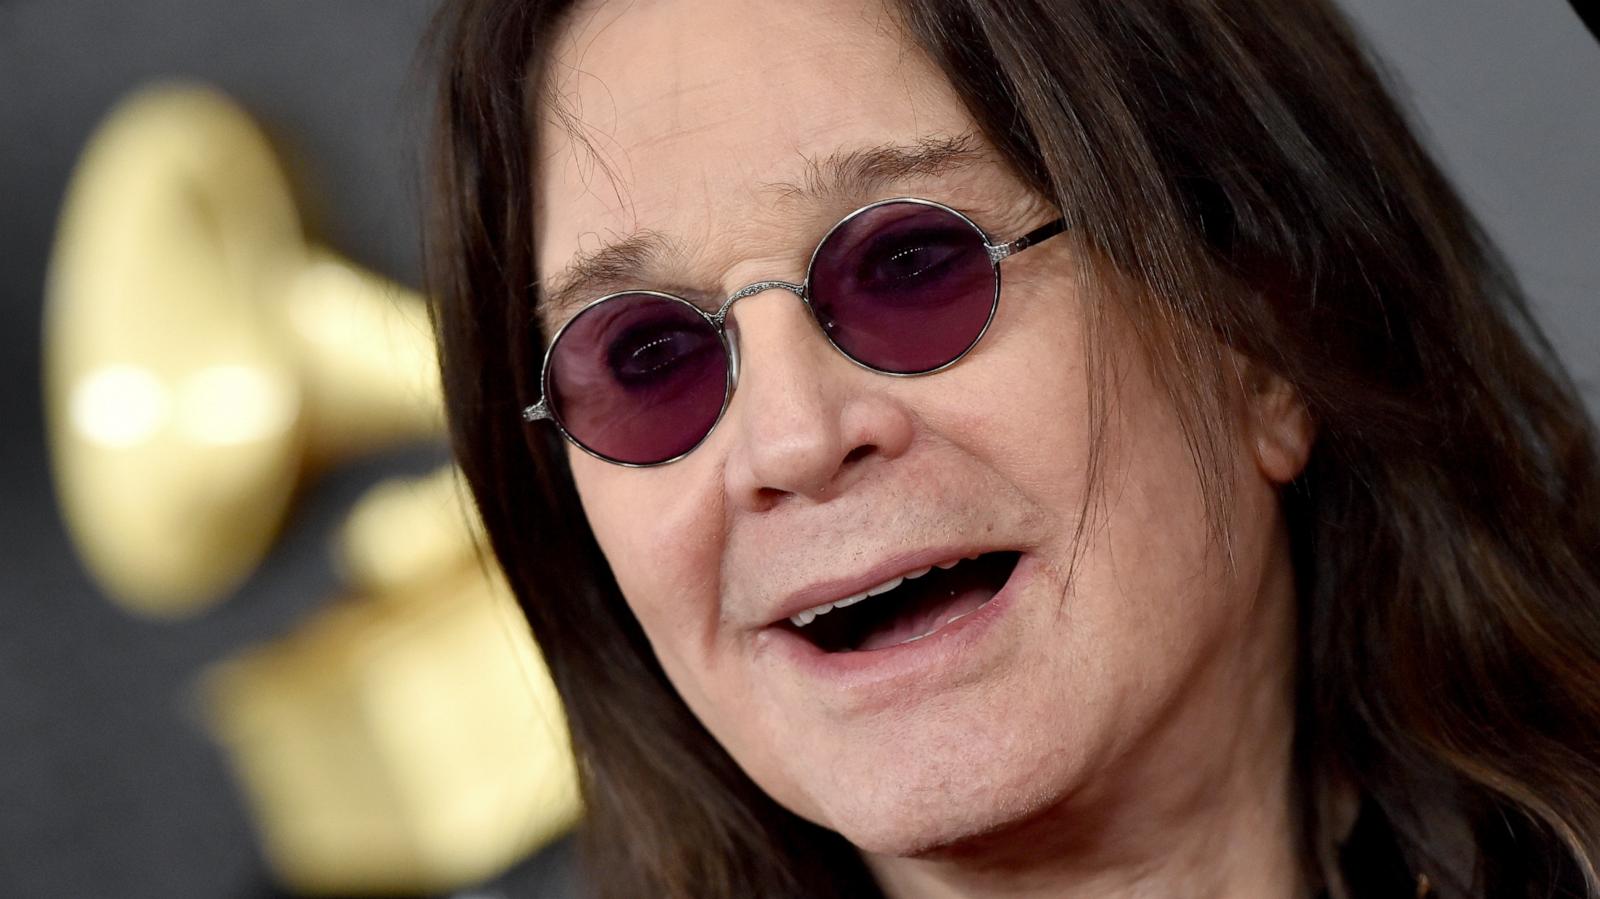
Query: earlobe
(1280, 427)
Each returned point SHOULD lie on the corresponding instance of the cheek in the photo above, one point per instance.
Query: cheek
(1147, 588)
(661, 532)
(1022, 401)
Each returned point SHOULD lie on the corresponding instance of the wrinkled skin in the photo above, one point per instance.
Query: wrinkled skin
(1127, 733)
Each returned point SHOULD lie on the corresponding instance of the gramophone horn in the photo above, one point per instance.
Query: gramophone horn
(199, 356)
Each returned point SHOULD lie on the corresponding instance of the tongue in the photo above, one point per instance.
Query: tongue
(925, 615)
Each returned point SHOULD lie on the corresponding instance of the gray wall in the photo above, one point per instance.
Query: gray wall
(1507, 92)
(107, 784)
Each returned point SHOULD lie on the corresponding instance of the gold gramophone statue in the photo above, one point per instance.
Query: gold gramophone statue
(200, 356)
(200, 359)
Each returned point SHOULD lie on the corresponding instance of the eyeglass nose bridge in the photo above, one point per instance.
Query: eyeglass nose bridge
(750, 290)
(729, 340)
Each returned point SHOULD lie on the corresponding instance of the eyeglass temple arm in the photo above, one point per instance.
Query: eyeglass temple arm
(536, 412)
(997, 253)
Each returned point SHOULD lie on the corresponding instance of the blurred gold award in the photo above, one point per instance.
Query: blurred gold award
(200, 360)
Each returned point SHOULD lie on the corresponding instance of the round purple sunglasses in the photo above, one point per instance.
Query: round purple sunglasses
(901, 287)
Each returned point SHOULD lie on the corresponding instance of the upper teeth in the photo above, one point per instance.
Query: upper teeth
(810, 615)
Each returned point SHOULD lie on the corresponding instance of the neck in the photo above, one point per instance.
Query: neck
(1203, 809)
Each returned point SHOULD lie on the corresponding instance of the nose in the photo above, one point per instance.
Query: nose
(805, 421)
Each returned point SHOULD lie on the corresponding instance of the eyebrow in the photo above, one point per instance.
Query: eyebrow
(626, 262)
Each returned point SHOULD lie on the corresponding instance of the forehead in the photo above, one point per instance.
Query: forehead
(690, 121)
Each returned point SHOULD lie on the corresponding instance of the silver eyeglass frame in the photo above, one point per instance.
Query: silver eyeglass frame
(718, 321)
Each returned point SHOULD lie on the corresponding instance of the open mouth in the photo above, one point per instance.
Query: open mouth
(906, 609)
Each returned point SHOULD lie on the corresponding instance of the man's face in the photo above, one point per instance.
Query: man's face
(728, 130)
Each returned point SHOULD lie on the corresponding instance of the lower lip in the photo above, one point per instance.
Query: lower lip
(880, 668)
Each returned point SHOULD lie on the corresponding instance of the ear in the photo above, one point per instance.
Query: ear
(1278, 427)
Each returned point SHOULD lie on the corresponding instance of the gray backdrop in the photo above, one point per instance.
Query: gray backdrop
(107, 784)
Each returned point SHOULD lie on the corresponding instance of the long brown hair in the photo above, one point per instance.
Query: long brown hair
(1241, 160)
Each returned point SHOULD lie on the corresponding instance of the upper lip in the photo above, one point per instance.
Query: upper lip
(821, 592)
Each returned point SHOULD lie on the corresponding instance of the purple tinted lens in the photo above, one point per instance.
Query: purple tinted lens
(904, 287)
(638, 378)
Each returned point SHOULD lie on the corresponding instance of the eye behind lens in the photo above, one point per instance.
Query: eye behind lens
(638, 378)
(652, 353)
(905, 262)
(907, 287)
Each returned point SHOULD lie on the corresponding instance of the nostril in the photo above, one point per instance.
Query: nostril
(859, 453)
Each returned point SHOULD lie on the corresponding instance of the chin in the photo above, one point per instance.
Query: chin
(959, 792)
(920, 829)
